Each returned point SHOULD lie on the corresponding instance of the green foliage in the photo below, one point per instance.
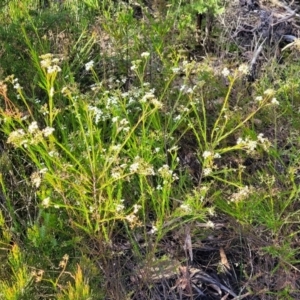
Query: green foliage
(80, 289)
(211, 6)
(20, 284)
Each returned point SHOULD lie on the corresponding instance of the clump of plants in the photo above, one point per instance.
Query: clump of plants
(117, 148)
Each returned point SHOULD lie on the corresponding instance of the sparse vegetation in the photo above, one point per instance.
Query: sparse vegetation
(144, 155)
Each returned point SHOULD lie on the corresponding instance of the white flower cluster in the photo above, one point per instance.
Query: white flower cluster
(122, 125)
(209, 154)
(17, 138)
(97, 113)
(186, 208)
(49, 62)
(32, 137)
(251, 145)
(141, 167)
(125, 170)
(167, 174)
(209, 166)
(145, 54)
(36, 177)
(120, 206)
(268, 93)
(242, 194)
(248, 144)
(148, 96)
(135, 64)
(132, 218)
(16, 84)
(225, 72)
(243, 69)
(89, 65)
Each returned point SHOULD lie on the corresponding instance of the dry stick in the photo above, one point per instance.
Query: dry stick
(285, 18)
(287, 8)
(242, 296)
(256, 53)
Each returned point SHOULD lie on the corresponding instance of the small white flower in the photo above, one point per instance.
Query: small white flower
(17, 138)
(115, 119)
(175, 176)
(251, 145)
(124, 122)
(46, 56)
(258, 98)
(156, 103)
(175, 70)
(190, 91)
(242, 194)
(261, 138)
(211, 211)
(147, 96)
(136, 208)
(217, 155)
(116, 147)
(206, 154)
(207, 171)
(153, 229)
(36, 179)
(46, 202)
(17, 86)
(64, 90)
(145, 54)
(269, 92)
(177, 118)
(98, 113)
(134, 167)
(33, 127)
(240, 141)
(148, 171)
(120, 207)
(45, 63)
(135, 64)
(225, 72)
(186, 208)
(89, 65)
(182, 88)
(173, 149)
(115, 175)
(44, 171)
(48, 131)
(133, 67)
(55, 60)
(53, 69)
(53, 153)
(210, 224)
(130, 218)
(244, 69)
(274, 101)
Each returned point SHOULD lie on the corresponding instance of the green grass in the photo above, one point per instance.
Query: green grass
(118, 151)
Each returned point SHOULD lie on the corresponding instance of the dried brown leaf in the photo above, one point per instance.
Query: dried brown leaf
(224, 260)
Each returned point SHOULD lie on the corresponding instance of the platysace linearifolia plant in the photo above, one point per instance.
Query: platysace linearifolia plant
(102, 141)
(93, 149)
(49, 64)
(211, 136)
